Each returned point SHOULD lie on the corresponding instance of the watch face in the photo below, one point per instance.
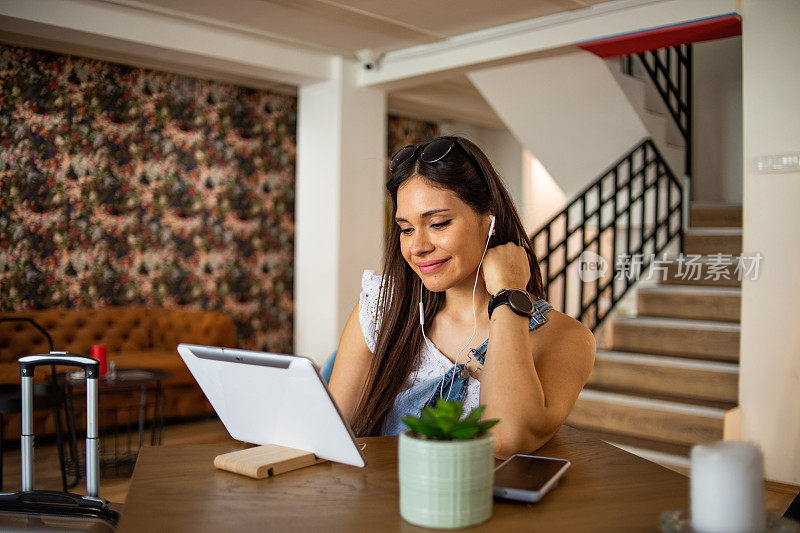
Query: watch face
(521, 301)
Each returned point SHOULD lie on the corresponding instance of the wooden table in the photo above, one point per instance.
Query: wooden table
(177, 488)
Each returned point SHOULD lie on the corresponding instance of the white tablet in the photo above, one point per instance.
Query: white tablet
(266, 398)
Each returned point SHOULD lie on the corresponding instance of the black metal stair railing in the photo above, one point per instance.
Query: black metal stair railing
(633, 210)
(670, 69)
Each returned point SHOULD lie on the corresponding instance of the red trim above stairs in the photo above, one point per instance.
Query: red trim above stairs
(674, 35)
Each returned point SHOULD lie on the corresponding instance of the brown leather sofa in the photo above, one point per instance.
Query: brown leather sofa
(134, 336)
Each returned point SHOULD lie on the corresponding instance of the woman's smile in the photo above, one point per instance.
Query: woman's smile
(426, 267)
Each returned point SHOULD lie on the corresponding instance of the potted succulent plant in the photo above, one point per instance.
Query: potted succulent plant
(446, 467)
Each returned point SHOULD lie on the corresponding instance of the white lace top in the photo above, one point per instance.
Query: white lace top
(432, 362)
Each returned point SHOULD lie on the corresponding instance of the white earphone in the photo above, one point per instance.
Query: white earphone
(474, 315)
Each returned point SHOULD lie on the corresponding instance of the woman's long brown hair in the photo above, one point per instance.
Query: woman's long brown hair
(399, 336)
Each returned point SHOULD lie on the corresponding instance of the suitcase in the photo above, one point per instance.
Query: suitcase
(65, 505)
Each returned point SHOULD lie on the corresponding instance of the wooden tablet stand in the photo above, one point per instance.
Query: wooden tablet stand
(263, 461)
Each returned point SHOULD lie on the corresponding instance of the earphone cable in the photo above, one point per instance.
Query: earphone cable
(422, 319)
(474, 322)
(474, 316)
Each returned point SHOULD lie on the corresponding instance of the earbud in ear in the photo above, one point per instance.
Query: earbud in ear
(491, 226)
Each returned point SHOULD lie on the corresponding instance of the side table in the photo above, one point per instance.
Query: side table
(135, 392)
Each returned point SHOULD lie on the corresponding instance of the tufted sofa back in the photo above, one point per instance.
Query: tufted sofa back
(76, 330)
(128, 328)
(173, 326)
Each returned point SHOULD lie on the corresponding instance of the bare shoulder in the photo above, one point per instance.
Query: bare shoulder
(562, 332)
(558, 321)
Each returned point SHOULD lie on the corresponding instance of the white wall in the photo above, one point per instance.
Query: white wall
(506, 153)
(341, 159)
(542, 197)
(717, 121)
(769, 383)
(502, 149)
(568, 110)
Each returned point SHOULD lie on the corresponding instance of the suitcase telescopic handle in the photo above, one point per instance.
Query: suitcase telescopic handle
(28, 363)
(91, 367)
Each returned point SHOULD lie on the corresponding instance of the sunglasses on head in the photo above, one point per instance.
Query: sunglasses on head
(432, 151)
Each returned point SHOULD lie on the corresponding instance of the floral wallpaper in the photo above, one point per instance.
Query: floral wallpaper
(121, 185)
(403, 131)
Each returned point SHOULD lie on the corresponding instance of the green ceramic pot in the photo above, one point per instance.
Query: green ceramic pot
(445, 484)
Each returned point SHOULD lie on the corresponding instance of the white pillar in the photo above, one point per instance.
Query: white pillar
(341, 164)
(769, 375)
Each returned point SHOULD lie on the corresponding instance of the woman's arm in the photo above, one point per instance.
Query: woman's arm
(350, 368)
(531, 380)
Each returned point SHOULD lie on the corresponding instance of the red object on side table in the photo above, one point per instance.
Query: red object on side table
(99, 353)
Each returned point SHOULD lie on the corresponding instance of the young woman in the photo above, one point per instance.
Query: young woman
(485, 334)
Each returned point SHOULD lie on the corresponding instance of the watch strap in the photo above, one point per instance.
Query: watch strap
(503, 298)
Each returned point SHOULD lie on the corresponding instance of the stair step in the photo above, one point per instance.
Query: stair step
(632, 86)
(703, 303)
(711, 215)
(662, 128)
(675, 156)
(672, 398)
(708, 241)
(652, 98)
(659, 420)
(683, 400)
(656, 117)
(705, 272)
(663, 375)
(699, 339)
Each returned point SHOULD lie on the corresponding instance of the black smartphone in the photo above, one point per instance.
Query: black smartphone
(528, 477)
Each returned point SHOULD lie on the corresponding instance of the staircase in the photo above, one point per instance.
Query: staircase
(653, 113)
(667, 376)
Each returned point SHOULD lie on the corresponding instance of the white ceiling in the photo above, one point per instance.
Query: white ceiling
(345, 26)
(278, 45)
(293, 37)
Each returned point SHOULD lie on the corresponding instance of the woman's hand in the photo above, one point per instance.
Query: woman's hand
(506, 266)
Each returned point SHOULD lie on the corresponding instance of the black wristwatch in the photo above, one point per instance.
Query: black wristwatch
(517, 299)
